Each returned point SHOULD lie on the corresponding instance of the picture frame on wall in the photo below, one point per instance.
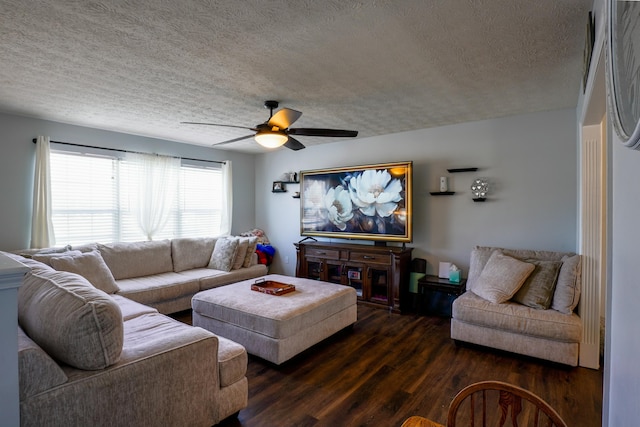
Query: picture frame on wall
(623, 69)
(364, 202)
(588, 50)
(278, 187)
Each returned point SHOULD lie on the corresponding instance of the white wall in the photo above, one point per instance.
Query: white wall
(18, 159)
(623, 383)
(531, 161)
(622, 345)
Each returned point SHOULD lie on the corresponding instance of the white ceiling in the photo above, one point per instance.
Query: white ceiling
(376, 66)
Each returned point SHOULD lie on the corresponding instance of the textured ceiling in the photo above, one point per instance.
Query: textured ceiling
(379, 67)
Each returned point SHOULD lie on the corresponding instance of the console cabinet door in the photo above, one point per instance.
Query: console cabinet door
(354, 276)
(379, 284)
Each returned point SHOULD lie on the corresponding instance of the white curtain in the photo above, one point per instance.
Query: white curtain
(42, 235)
(227, 199)
(158, 181)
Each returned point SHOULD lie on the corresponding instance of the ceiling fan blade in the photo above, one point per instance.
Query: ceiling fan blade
(216, 124)
(234, 140)
(338, 133)
(293, 144)
(284, 118)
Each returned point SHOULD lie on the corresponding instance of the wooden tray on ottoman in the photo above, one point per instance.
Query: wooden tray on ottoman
(272, 287)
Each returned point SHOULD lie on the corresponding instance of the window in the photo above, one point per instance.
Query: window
(92, 200)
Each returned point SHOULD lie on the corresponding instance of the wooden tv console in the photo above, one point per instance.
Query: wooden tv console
(380, 274)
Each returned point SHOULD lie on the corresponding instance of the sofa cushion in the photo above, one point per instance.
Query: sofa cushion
(159, 287)
(251, 250)
(130, 308)
(567, 292)
(517, 318)
(37, 370)
(224, 254)
(70, 319)
(501, 277)
(191, 252)
(537, 290)
(241, 253)
(210, 278)
(126, 260)
(89, 265)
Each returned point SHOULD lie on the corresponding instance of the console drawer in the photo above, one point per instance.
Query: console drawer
(371, 258)
(322, 253)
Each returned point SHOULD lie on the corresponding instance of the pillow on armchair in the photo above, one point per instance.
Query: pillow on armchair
(501, 277)
(537, 290)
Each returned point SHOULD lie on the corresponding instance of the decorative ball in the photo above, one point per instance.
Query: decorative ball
(479, 188)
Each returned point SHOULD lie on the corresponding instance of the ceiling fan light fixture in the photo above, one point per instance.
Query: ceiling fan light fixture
(271, 139)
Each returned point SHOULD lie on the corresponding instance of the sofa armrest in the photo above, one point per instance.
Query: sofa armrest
(37, 370)
(167, 375)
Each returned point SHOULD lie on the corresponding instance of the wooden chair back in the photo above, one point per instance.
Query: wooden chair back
(495, 403)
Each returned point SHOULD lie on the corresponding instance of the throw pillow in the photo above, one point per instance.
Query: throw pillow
(91, 266)
(537, 290)
(251, 249)
(243, 245)
(501, 277)
(45, 258)
(224, 253)
(567, 293)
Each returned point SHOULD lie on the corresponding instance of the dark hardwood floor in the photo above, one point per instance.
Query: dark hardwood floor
(390, 366)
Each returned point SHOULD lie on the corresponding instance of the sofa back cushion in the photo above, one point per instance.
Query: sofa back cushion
(70, 319)
(128, 260)
(189, 253)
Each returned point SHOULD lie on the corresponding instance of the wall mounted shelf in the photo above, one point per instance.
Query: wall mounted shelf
(442, 193)
(456, 170)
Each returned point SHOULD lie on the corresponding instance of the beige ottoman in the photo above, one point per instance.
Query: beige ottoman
(276, 328)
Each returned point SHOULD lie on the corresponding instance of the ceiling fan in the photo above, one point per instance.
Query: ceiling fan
(276, 132)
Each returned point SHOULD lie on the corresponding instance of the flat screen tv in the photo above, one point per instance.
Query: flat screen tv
(371, 202)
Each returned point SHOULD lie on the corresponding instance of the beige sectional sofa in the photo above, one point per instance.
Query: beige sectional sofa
(90, 356)
(522, 301)
(163, 274)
